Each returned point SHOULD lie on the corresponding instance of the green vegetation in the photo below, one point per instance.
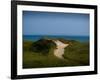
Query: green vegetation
(43, 46)
(39, 54)
(78, 52)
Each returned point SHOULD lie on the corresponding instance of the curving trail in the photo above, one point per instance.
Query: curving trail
(60, 49)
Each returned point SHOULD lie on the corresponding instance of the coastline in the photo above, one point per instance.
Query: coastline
(37, 37)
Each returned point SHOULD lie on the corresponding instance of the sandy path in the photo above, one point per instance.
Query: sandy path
(60, 49)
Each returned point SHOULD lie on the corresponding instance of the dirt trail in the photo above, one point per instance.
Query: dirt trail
(60, 49)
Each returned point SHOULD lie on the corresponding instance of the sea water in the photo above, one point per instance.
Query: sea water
(37, 37)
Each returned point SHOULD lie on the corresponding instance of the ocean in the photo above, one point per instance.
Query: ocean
(37, 37)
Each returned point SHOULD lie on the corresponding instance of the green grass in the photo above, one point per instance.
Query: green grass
(77, 54)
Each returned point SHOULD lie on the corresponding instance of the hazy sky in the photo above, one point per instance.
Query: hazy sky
(49, 23)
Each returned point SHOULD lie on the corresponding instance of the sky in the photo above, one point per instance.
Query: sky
(52, 23)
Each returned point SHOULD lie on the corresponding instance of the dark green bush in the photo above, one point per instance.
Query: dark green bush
(43, 46)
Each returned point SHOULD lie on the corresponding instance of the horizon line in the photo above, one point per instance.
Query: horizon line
(52, 35)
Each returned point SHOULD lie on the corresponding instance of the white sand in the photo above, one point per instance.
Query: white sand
(60, 49)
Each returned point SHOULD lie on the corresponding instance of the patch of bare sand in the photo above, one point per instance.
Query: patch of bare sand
(60, 49)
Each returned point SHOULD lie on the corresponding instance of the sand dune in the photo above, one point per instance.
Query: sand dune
(60, 49)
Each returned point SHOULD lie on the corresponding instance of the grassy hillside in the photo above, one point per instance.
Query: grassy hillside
(78, 52)
(35, 55)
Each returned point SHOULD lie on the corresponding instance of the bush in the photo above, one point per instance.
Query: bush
(43, 46)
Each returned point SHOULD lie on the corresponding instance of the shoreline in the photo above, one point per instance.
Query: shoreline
(37, 37)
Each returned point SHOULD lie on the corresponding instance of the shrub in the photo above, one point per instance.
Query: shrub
(43, 46)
